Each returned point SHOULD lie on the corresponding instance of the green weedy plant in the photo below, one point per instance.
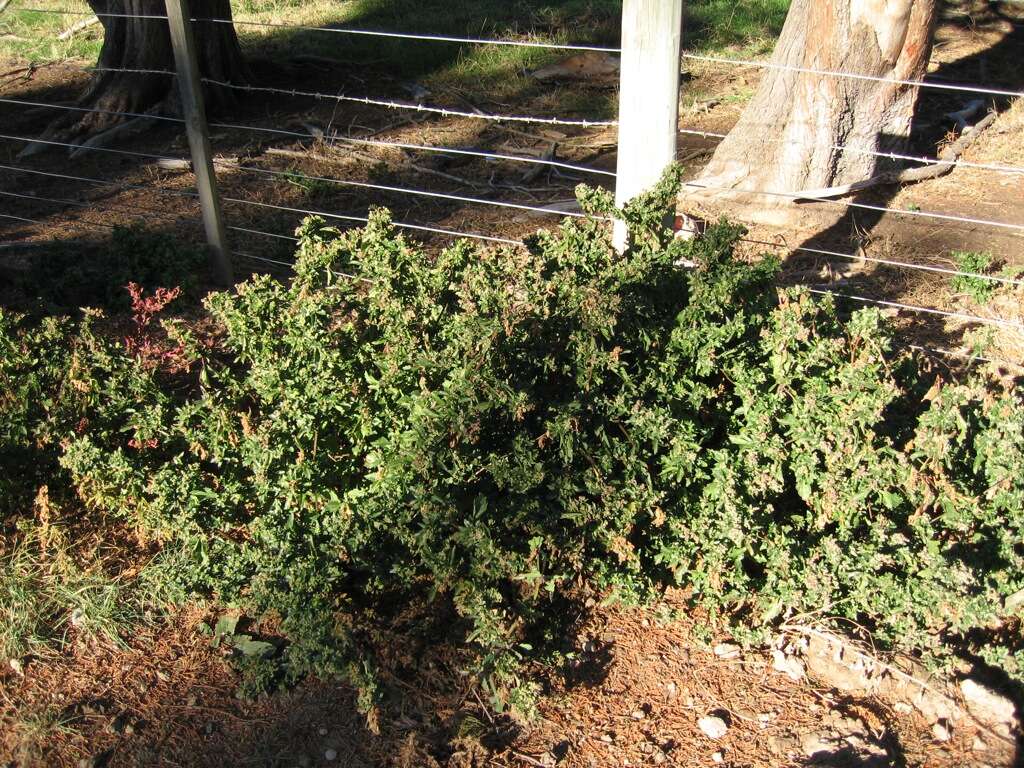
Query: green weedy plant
(976, 263)
(505, 429)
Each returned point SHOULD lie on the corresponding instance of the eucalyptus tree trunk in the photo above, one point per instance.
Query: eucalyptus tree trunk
(132, 42)
(791, 137)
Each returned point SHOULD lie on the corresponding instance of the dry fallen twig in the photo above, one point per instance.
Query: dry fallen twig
(74, 29)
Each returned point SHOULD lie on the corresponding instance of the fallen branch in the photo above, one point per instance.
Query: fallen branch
(129, 129)
(4, 4)
(947, 156)
(74, 29)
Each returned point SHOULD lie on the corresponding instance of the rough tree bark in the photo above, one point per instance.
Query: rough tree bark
(145, 43)
(787, 138)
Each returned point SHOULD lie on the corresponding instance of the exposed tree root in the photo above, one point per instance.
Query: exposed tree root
(948, 156)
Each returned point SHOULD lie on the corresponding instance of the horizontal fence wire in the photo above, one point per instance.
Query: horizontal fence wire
(1016, 282)
(348, 31)
(443, 111)
(87, 148)
(416, 192)
(82, 204)
(926, 310)
(130, 71)
(91, 110)
(261, 233)
(1010, 169)
(416, 36)
(101, 15)
(756, 63)
(761, 64)
(89, 180)
(19, 218)
(364, 220)
(968, 356)
(794, 197)
(335, 137)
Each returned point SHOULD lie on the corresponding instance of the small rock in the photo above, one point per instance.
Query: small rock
(322, 731)
(790, 666)
(902, 708)
(941, 731)
(987, 705)
(814, 743)
(713, 727)
(718, 757)
(607, 738)
(671, 690)
(638, 714)
(17, 667)
(77, 617)
(978, 745)
(330, 755)
(659, 757)
(727, 651)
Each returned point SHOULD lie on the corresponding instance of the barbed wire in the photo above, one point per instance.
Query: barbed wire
(443, 111)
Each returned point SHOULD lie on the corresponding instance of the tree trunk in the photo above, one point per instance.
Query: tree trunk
(141, 43)
(788, 137)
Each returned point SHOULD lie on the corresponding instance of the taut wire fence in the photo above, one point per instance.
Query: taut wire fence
(648, 127)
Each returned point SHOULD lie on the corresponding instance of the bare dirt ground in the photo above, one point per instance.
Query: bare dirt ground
(640, 691)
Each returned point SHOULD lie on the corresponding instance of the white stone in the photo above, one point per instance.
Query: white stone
(987, 705)
(330, 755)
(941, 732)
(790, 666)
(713, 727)
(718, 757)
(727, 651)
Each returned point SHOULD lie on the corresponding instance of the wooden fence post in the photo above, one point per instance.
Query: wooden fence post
(179, 18)
(648, 100)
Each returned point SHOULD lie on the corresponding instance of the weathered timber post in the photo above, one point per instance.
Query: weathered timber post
(179, 18)
(649, 98)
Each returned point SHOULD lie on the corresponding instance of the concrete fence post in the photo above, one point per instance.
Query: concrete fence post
(649, 98)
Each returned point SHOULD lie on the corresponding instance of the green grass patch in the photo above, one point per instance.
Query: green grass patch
(47, 594)
(749, 27)
(31, 37)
